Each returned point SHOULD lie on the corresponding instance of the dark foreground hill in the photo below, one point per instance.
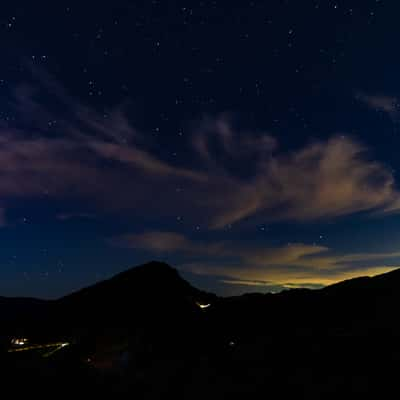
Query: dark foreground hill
(148, 333)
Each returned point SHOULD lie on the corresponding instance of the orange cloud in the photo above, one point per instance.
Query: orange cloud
(294, 265)
(325, 179)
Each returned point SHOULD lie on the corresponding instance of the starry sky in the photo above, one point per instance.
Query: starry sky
(253, 145)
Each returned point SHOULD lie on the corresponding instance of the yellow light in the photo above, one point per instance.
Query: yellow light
(19, 341)
(202, 306)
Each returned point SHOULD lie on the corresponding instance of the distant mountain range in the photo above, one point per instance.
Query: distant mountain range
(155, 292)
(170, 338)
(149, 294)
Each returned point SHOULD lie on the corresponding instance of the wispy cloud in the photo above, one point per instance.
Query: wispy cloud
(387, 104)
(3, 219)
(293, 265)
(323, 179)
(234, 175)
(72, 215)
(299, 267)
(169, 242)
(163, 242)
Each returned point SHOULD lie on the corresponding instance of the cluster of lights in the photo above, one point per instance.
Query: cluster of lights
(19, 341)
(19, 345)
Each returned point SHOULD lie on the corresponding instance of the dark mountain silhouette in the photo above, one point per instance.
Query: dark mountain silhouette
(151, 291)
(142, 332)
(145, 300)
(17, 314)
(154, 293)
(360, 306)
(149, 282)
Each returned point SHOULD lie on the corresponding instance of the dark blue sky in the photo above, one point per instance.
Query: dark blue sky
(252, 146)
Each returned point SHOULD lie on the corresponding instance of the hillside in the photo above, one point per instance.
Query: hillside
(143, 332)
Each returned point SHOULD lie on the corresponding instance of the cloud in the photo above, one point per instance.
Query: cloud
(60, 148)
(387, 104)
(78, 215)
(284, 276)
(272, 287)
(324, 179)
(237, 263)
(3, 219)
(156, 241)
(168, 242)
(140, 159)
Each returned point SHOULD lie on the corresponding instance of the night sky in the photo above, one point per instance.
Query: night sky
(253, 145)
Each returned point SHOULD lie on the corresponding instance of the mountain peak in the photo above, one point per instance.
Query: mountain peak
(150, 281)
(153, 266)
(153, 272)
